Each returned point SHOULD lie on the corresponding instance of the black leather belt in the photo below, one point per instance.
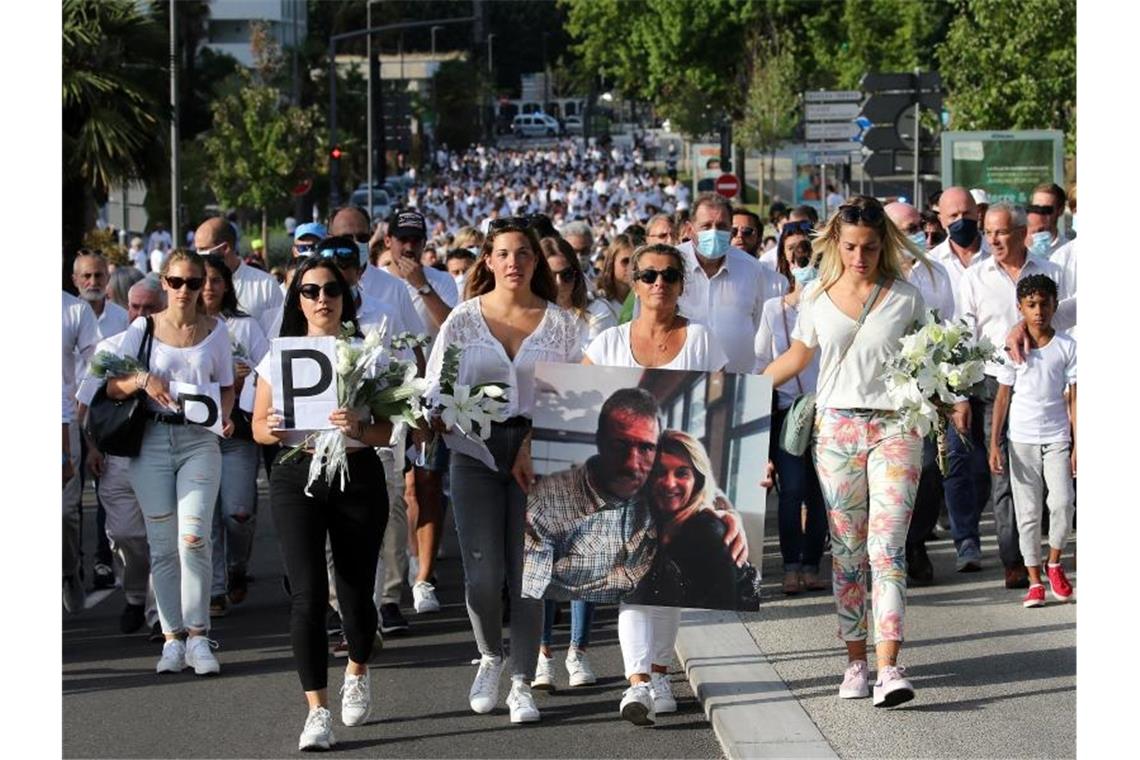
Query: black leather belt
(166, 418)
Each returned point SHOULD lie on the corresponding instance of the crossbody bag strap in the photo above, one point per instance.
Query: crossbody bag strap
(862, 318)
(147, 343)
(788, 336)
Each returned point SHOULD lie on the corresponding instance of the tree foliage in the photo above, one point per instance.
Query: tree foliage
(259, 147)
(769, 113)
(1012, 64)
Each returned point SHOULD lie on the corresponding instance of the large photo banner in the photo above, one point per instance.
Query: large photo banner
(642, 475)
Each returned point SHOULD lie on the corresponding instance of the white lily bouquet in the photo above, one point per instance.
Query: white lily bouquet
(370, 380)
(468, 410)
(105, 364)
(936, 363)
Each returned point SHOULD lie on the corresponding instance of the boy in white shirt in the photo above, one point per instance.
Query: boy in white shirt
(1042, 450)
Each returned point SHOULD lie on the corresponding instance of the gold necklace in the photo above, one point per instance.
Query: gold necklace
(178, 331)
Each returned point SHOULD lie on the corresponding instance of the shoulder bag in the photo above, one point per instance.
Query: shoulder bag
(117, 425)
(795, 435)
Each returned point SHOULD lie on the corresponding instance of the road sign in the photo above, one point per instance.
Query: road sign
(828, 157)
(883, 138)
(302, 187)
(831, 130)
(830, 111)
(832, 96)
(727, 185)
(833, 146)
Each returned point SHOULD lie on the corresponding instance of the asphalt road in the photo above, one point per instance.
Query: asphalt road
(114, 705)
(991, 679)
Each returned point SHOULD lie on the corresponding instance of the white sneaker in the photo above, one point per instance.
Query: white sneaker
(578, 666)
(318, 730)
(423, 594)
(199, 656)
(637, 705)
(173, 658)
(521, 702)
(662, 691)
(355, 699)
(855, 681)
(484, 693)
(543, 673)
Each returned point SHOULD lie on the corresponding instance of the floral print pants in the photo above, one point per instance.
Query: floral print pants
(868, 470)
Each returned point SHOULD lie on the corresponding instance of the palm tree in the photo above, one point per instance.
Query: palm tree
(113, 113)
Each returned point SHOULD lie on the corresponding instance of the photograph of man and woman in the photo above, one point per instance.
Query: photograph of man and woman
(645, 494)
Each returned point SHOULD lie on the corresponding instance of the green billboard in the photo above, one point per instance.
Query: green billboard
(1007, 165)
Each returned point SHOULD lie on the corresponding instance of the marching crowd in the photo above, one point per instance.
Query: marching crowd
(580, 255)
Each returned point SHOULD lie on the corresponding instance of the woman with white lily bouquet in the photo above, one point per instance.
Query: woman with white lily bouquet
(347, 502)
(509, 322)
(867, 456)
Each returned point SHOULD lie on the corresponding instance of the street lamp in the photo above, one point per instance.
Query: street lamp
(433, 31)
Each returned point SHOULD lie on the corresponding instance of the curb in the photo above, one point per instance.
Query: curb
(751, 710)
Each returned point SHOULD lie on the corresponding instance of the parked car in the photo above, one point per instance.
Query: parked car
(381, 201)
(573, 125)
(535, 125)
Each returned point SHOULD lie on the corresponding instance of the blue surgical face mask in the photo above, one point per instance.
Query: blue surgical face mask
(919, 239)
(713, 244)
(1039, 244)
(804, 275)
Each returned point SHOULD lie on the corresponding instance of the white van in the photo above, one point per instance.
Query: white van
(534, 125)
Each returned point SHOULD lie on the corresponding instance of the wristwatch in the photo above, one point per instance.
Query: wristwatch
(424, 289)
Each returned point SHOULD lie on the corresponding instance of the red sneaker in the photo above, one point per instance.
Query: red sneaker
(1035, 597)
(1058, 583)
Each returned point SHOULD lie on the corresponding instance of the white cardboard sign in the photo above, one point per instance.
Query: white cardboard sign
(304, 381)
(200, 404)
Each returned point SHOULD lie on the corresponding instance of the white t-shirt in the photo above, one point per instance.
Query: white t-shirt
(259, 295)
(210, 361)
(855, 383)
(1038, 413)
(444, 286)
(391, 290)
(246, 333)
(936, 289)
(772, 340)
(80, 334)
(700, 352)
(484, 360)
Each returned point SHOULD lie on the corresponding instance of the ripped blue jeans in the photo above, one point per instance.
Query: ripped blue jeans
(175, 478)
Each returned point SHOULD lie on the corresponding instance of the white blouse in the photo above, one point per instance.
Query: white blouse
(484, 360)
(773, 339)
(855, 382)
(701, 351)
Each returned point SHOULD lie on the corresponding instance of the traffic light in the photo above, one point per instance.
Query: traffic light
(336, 152)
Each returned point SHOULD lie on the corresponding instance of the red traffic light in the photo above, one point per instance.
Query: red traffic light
(336, 152)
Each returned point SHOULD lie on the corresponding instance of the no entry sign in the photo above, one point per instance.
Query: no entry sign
(727, 185)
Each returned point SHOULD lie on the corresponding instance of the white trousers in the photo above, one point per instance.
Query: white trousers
(647, 635)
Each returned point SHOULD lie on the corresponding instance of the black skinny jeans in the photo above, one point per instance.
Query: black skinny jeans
(354, 520)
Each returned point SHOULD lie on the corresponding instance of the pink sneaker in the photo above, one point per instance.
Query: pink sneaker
(892, 688)
(855, 681)
(1035, 597)
(1058, 583)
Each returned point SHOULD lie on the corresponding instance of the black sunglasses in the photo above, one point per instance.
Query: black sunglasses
(856, 214)
(342, 257)
(194, 283)
(565, 275)
(743, 231)
(1043, 210)
(311, 291)
(671, 275)
(803, 226)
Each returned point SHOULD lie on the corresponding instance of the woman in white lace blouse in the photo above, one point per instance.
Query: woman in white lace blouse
(509, 322)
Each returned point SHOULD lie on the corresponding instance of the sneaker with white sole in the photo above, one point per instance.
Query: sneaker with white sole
(578, 666)
(424, 598)
(892, 688)
(855, 681)
(355, 699)
(521, 702)
(484, 693)
(317, 733)
(199, 656)
(637, 705)
(173, 658)
(543, 673)
(662, 691)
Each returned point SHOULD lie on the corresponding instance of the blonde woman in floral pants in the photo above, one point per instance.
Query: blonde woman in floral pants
(868, 463)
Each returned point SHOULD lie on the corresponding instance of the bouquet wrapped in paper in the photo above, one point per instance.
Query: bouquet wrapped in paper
(937, 364)
(467, 410)
(371, 381)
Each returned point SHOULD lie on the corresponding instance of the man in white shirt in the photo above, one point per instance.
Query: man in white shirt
(964, 245)
(80, 334)
(746, 229)
(988, 303)
(432, 291)
(258, 292)
(725, 288)
(160, 239)
(137, 255)
(581, 238)
(1046, 205)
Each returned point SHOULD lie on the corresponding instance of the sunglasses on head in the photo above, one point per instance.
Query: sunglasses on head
(1042, 210)
(208, 251)
(856, 214)
(176, 283)
(342, 257)
(565, 275)
(522, 222)
(311, 290)
(743, 231)
(671, 275)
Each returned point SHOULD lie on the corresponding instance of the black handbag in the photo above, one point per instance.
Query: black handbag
(117, 425)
